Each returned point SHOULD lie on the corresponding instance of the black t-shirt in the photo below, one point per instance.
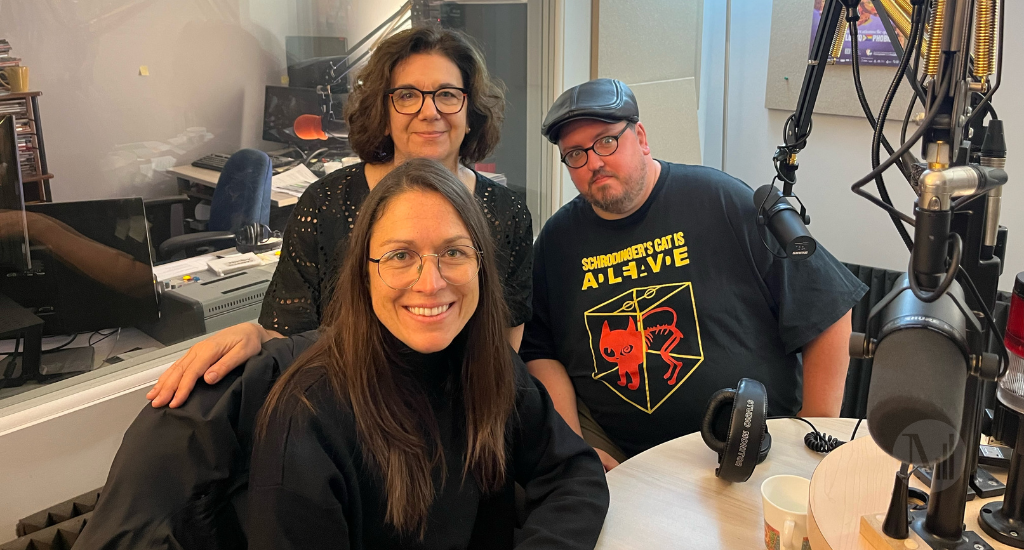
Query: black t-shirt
(653, 313)
(313, 487)
(317, 235)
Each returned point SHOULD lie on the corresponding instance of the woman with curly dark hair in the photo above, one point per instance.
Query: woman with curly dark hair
(425, 93)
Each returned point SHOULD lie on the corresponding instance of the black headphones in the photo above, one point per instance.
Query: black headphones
(735, 426)
(256, 237)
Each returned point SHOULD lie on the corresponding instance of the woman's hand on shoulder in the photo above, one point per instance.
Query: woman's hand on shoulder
(211, 359)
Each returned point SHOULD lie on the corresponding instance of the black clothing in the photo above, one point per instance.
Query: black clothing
(313, 487)
(317, 236)
(653, 313)
(179, 479)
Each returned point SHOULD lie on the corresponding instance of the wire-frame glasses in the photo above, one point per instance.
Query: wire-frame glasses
(401, 269)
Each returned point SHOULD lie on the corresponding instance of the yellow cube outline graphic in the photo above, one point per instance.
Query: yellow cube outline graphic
(630, 302)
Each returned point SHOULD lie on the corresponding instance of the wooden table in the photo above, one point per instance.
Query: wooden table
(839, 498)
(188, 174)
(669, 497)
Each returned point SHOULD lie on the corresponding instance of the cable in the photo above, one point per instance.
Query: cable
(821, 442)
(100, 333)
(989, 318)
(816, 441)
(309, 157)
(876, 126)
(112, 346)
(855, 428)
(915, 36)
(906, 120)
(859, 87)
(929, 117)
(64, 345)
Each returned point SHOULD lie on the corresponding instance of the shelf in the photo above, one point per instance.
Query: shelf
(19, 95)
(36, 178)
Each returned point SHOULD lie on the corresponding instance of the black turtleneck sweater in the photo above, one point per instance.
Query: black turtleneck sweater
(312, 487)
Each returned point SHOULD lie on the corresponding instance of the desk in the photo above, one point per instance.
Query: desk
(669, 497)
(188, 174)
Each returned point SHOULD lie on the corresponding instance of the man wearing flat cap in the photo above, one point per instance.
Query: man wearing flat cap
(653, 289)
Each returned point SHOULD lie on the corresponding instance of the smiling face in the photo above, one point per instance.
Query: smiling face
(428, 133)
(431, 313)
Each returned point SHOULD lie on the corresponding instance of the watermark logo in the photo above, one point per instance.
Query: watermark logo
(936, 444)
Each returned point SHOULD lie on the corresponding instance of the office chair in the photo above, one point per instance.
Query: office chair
(242, 197)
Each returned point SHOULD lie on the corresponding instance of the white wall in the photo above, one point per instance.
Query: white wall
(851, 228)
(654, 46)
(711, 101)
(575, 67)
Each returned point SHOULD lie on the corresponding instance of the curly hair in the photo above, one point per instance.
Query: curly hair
(366, 110)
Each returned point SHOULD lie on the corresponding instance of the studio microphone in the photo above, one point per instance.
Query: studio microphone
(313, 127)
(784, 222)
(919, 374)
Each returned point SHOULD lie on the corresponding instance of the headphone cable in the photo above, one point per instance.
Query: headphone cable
(818, 441)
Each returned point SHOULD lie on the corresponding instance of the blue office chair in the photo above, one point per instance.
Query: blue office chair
(242, 197)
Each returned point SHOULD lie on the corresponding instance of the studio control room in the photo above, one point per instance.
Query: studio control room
(614, 274)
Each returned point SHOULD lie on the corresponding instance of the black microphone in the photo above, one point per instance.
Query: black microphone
(311, 127)
(784, 223)
(919, 374)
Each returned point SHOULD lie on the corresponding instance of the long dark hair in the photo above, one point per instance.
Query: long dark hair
(391, 411)
(366, 110)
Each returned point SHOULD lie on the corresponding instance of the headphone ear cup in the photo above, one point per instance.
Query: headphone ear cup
(735, 426)
(714, 426)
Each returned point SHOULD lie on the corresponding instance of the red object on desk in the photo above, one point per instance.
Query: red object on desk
(309, 127)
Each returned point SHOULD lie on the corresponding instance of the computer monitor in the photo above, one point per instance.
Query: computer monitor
(14, 250)
(309, 57)
(92, 266)
(283, 104)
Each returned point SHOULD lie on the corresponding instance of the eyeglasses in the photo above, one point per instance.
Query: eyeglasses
(409, 101)
(401, 269)
(577, 158)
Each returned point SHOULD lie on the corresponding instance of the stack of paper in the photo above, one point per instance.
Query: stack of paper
(294, 181)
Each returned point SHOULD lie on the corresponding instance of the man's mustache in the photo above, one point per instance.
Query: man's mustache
(601, 173)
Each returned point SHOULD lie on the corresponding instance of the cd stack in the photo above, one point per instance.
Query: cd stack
(6, 59)
(26, 144)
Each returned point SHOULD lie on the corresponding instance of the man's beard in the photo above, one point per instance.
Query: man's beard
(624, 201)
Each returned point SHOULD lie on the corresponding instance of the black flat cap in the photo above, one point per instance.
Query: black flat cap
(602, 99)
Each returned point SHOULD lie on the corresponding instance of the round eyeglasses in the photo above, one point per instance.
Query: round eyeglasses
(401, 269)
(409, 101)
(577, 158)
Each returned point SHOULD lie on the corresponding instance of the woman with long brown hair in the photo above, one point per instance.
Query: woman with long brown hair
(407, 422)
(424, 93)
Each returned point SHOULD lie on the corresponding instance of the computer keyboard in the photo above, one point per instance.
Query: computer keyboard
(216, 162)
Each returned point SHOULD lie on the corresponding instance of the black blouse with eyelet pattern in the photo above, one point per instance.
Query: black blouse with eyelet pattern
(317, 235)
